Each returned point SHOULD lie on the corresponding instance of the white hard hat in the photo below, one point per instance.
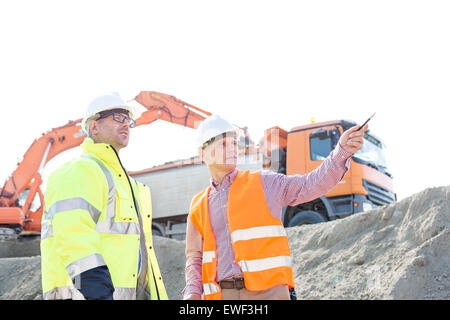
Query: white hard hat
(108, 102)
(211, 127)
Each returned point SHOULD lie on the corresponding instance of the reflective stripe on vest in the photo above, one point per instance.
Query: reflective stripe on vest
(258, 232)
(210, 288)
(208, 256)
(84, 264)
(68, 292)
(66, 205)
(265, 264)
(109, 225)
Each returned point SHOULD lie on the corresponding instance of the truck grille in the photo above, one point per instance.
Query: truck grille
(377, 194)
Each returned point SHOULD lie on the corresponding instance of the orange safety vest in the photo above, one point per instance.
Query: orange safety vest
(259, 240)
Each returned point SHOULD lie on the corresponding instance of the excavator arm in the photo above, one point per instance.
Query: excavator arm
(20, 189)
(166, 107)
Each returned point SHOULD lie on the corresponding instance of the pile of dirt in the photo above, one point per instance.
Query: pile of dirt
(20, 247)
(20, 278)
(399, 251)
(171, 260)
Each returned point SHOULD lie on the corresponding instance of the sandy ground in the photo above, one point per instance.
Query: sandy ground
(20, 277)
(400, 251)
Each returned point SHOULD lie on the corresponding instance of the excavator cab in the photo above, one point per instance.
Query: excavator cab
(22, 199)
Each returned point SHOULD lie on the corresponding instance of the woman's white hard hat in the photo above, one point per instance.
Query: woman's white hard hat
(213, 126)
(108, 102)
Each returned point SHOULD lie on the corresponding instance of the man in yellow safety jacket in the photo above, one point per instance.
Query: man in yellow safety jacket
(96, 240)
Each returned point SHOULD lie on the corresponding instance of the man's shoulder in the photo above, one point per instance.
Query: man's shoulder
(77, 168)
(248, 173)
(201, 193)
(196, 199)
(76, 178)
(262, 172)
(138, 184)
(265, 175)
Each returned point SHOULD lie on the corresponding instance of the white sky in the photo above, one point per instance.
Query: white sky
(257, 63)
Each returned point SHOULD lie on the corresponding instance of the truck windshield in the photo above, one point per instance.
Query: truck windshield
(320, 147)
(372, 152)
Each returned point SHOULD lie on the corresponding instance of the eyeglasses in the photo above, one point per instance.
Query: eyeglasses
(119, 117)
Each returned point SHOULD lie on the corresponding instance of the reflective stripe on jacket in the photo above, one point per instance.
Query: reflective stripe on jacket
(92, 218)
(258, 239)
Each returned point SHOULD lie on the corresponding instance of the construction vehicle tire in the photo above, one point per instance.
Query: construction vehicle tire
(156, 232)
(306, 217)
(8, 234)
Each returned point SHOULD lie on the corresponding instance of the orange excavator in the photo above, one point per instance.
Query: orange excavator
(17, 215)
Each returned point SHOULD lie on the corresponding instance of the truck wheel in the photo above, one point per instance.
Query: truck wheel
(306, 217)
(156, 232)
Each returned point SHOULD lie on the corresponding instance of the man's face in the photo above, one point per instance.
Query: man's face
(108, 130)
(221, 153)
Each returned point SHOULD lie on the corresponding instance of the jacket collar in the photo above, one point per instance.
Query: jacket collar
(103, 151)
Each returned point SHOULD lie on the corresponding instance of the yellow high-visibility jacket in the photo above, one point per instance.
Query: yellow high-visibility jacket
(91, 220)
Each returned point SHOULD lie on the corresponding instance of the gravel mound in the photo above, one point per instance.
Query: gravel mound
(400, 251)
(20, 278)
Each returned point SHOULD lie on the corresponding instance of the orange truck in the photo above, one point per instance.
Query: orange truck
(366, 185)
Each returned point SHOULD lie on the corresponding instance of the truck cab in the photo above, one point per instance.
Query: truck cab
(367, 184)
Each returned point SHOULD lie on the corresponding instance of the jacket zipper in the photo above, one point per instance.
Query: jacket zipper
(135, 208)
